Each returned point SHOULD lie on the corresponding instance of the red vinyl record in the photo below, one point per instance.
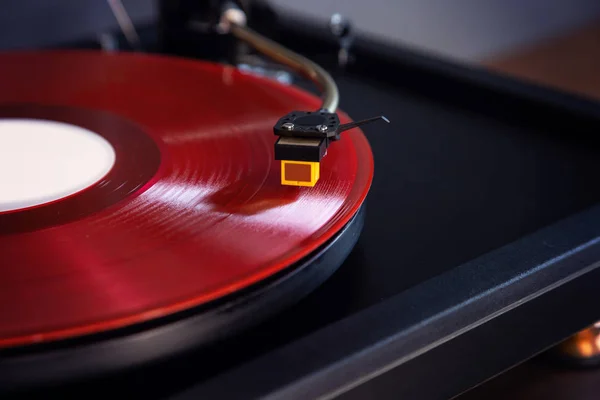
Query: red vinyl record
(192, 209)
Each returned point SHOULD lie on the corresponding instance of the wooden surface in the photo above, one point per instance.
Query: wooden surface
(540, 379)
(570, 62)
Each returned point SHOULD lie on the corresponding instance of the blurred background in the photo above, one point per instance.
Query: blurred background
(549, 42)
(466, 30)
(553, 42)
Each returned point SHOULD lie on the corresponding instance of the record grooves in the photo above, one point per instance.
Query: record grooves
(192, 212)
(51, 364)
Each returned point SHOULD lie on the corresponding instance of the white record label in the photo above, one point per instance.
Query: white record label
(43, 161)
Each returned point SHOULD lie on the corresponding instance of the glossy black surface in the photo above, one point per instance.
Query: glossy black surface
(471, 169)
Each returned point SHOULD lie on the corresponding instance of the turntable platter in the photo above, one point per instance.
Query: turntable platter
(191, 209)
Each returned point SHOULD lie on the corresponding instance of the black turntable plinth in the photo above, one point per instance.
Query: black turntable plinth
(479, 249)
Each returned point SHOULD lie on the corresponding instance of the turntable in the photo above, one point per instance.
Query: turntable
(183, 257)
